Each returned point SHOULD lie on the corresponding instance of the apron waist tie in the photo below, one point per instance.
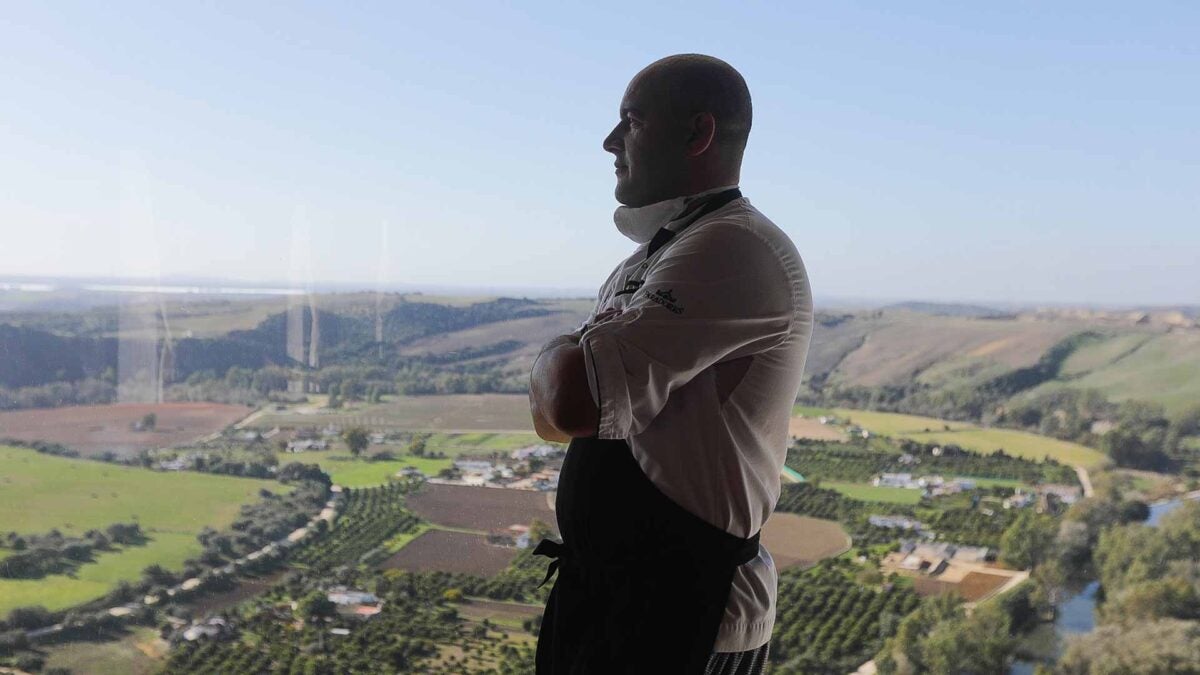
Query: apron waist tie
(553, 550)
(748, 551)
(558, 554)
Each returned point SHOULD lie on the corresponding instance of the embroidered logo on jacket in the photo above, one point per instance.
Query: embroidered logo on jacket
(666, 299)
(631, 286)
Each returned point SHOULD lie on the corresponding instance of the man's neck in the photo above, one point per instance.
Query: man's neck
(695, 201)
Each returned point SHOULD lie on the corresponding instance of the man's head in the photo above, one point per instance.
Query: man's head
(683, 129)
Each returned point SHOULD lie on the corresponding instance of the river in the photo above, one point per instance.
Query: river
(1077, 614)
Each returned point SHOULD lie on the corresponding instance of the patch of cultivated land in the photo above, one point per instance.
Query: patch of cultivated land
(479, 508)
(806, 427)
(532, 332)
(1164, 369)
(141, 652)
(971, 437)
(446, 551)
(41, 492)
(871, 493)
(348, 471)
(796, 540)
(910, 343)
(508, 614)
(972, 587)
(94, 429)
(460, 412)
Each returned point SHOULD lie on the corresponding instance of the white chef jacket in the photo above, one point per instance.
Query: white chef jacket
(699, 374)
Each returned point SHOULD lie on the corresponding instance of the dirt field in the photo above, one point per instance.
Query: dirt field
(799, 540)
(977, 585)
(246, 588)
(499, 613)
(459, 412)
(94, 429)
(451, 552)
(807, 427)
(479, 508)
(974, 585)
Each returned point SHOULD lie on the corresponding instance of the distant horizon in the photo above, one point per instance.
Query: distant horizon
(209, 286)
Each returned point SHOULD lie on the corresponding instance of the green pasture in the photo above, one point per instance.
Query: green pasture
(94, 579)
(971, 437)
(810, 411)
(995, 482)
(871, 493)
(1163, 368)
(347, 471)
(41, 492)
(401, 540)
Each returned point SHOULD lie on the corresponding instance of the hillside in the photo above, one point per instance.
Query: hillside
(1145, 355)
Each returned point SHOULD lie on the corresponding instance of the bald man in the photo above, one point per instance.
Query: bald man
(675, 397)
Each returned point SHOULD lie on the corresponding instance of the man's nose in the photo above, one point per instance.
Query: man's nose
(612, 142)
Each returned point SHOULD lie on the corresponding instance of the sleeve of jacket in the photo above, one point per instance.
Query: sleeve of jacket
(717, 293)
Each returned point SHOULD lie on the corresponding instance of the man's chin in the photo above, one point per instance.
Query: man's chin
(626, 196)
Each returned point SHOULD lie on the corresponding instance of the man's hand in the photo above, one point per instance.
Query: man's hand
(605, 316)
(560, 400)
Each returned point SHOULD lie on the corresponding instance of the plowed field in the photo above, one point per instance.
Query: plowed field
(94, 429)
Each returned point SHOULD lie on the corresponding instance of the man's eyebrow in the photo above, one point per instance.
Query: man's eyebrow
(625, 112)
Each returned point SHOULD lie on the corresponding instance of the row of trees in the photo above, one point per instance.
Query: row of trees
(858, 461)
(368, 518)
(828, 622)
(34, 556)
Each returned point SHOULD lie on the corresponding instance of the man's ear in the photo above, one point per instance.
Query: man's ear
(703, 132)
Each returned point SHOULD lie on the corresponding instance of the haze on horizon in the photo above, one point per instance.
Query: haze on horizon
(1002, 154)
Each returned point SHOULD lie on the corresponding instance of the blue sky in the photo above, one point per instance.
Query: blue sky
(944, 152)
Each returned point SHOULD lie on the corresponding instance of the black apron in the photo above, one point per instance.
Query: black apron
(642, 583)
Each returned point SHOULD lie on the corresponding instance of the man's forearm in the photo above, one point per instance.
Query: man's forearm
(559, 396)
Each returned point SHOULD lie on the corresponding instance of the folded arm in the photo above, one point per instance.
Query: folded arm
(559, 398)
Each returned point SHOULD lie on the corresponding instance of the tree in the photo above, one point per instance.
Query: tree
(417, 447)
(30, 618)
(316, 607)
(1167, 646)
(1028, 541)
(356, 439)
(539, 530)
(1129, 448)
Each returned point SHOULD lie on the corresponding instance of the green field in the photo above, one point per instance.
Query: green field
(996, 482)
(347, 471)
(95, 579)
(971, 437)
(871, 493)
(1163, 369)
(41, 492)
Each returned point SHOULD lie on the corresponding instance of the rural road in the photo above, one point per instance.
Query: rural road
(1084, 480)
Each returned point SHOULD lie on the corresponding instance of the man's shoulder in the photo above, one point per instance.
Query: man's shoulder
(752, 233)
